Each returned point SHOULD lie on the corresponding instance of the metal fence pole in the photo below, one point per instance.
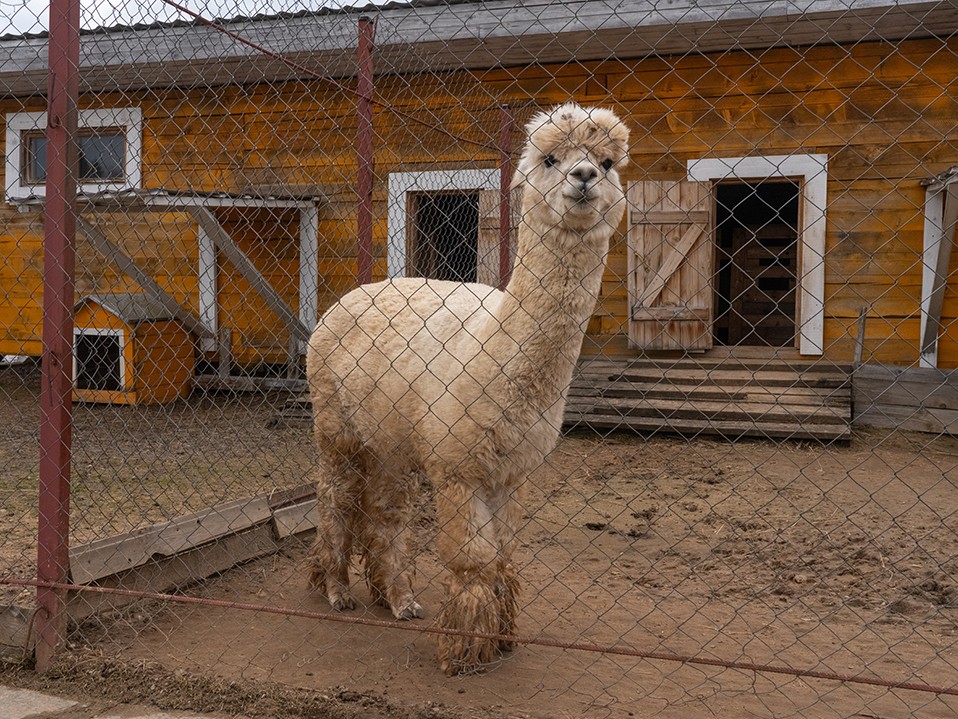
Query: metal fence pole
(364, 150)
(57, 362)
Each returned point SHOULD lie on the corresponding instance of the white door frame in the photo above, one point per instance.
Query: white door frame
(812, 170)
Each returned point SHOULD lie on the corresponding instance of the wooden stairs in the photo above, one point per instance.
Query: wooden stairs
(727, 397)
(723, 396)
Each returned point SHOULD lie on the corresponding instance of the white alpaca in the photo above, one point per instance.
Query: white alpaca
(467, 384)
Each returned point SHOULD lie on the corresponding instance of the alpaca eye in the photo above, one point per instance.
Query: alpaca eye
(607, 165)
(550, 161)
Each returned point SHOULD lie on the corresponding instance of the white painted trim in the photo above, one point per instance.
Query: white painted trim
(938, 241)
(308, 268)
(402, 183)
(130, 118)
(120, 334)
(813, 171)
(207, 276)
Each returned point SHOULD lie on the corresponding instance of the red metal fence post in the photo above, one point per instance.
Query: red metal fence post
(57, 382)
(364, 150)
(505, 197)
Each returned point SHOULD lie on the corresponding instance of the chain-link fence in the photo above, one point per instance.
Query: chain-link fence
(666, 430)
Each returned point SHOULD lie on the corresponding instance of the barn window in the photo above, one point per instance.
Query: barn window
(109, 144)
(98, 359)
(446, 190)
(100, 156)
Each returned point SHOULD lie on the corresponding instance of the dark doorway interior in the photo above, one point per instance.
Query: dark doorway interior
(97, 361)
(445, 236)
(756, 263)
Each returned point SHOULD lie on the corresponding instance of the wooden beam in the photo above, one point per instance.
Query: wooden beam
(167, 201)
(128, 266)
(941, 214)
(364, 151)
(224, 243)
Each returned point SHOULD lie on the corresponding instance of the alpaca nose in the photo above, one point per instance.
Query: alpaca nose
(584, 173)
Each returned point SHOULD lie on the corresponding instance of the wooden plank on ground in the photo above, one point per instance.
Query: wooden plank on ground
(161, 575)
(294, 495)
(295, 519)
(101, 558)
(14, 631)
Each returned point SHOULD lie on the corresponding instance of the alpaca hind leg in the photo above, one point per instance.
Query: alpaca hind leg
(329, 558)
(386, 510)
(467, 545)
(506, 513)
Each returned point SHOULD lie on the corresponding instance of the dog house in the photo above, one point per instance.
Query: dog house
(129, 349)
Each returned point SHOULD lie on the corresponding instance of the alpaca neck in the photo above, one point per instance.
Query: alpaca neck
(536, 334)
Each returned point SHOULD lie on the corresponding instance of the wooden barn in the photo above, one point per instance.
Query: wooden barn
(791, 205)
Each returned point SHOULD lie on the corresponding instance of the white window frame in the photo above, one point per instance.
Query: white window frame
(812, 170)
(402, 183)
(129, 118)
(119, 334)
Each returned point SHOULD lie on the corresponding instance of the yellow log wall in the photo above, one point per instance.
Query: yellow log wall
(882, 112)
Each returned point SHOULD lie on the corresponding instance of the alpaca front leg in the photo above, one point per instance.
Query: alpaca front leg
(467, 545)
(330, 556)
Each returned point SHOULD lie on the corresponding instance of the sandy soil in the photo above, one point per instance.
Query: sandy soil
(832, 559)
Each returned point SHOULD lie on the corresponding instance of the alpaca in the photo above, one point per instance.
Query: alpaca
(467, 384)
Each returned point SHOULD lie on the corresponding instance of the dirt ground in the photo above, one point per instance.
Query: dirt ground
(830, 559)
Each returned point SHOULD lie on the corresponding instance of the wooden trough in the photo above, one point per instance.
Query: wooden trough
(168, 556)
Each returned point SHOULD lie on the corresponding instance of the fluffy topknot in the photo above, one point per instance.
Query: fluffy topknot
(596, 128)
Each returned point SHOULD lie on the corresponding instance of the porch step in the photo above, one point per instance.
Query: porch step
(728, 397)
(773, 399)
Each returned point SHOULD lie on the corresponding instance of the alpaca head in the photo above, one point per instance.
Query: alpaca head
(569, 169)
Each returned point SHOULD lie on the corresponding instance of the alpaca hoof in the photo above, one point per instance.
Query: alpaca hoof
(471, 607)
(344, 603)
(412, 610)
(316, 579)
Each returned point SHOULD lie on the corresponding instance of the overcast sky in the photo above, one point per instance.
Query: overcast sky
(26, 16)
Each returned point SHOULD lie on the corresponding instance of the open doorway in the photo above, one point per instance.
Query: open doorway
(757, 254)
(443, 236)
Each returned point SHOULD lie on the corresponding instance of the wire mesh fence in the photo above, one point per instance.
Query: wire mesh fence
(631, 386)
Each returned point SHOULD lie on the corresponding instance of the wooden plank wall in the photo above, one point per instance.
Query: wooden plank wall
(879, 110)
(909, 398)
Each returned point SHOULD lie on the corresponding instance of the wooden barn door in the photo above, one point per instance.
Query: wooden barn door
(671, 259)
